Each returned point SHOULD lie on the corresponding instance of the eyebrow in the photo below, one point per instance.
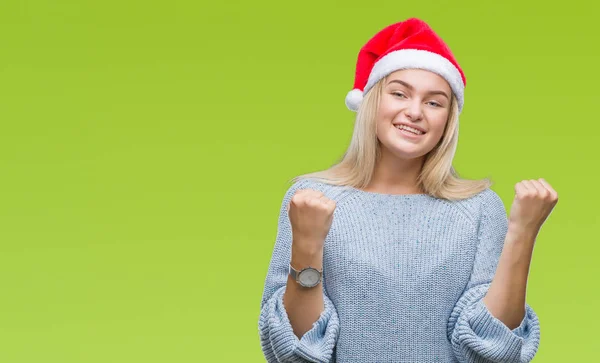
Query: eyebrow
(410, 87)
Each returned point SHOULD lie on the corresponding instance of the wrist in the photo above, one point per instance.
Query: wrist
(303, 257)
(518, 232)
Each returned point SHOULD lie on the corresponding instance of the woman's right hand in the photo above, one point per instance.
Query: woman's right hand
(311, 215)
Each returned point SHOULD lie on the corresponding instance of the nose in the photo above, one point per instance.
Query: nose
(413, 110)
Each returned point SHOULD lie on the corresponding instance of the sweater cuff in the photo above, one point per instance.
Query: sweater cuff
(316, 345)
(486, 324)
(491, 337)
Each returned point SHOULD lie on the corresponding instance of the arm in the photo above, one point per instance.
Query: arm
(505, 298)
(303, 305)
(533, 203)
(477, 334)
(313, 335)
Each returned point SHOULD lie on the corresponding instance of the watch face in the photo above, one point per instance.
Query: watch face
(309, 277)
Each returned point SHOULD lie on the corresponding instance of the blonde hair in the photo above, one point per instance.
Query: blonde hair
(437, 178)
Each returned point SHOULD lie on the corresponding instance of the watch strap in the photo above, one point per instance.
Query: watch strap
(294, 273)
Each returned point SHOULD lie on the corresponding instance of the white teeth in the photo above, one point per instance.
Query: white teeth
(414, 131)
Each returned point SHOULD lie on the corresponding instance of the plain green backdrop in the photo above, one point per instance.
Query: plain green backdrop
(145, 148)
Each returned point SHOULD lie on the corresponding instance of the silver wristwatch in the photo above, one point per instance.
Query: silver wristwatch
(307, 277)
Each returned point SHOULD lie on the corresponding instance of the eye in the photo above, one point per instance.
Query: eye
(434, 104)
(399, 94)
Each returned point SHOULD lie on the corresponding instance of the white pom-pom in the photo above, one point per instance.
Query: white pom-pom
(353, 99)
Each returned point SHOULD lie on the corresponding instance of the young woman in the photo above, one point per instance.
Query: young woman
(389, 256)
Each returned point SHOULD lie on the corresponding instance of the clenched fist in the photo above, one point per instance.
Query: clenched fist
(533, 203)
(311, 215)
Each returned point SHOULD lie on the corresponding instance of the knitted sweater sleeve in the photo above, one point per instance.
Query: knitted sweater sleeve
(476, 335)
(278, 341)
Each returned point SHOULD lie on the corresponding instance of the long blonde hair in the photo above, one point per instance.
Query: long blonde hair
(437, 178)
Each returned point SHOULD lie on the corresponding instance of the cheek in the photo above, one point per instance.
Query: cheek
(385, 116)
(388, 108)
(437, 122)
(439, 129)
(437, 126)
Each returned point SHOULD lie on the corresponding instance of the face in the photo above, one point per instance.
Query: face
(418, 99)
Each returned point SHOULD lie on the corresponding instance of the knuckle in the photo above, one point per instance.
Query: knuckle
(311, 202)
(296, 199)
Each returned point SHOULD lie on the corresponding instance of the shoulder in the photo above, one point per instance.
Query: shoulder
(299, 185)
(491, 203)
(305, 184)
(477, 206)
(330, 190)
(492, 217)
(486, 211)
(486, 198)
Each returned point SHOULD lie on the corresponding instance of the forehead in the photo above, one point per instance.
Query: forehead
(419, 78)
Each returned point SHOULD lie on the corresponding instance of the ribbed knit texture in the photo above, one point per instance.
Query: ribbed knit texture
(403, 279)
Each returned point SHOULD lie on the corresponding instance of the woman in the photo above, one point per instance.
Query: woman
(389, 256)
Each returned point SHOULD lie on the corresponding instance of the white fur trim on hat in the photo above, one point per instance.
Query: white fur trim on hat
(420, 59)
(354, 99)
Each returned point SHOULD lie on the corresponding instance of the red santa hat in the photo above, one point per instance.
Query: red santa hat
(407, 44)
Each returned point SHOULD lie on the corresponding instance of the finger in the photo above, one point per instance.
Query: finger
(323, 199)
(549, 188)
(305, 195)
(521, 189)
(310, 191)
(528, 187)
(541, 190)
(313, 193)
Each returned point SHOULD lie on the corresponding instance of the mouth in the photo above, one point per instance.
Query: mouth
(409, 131)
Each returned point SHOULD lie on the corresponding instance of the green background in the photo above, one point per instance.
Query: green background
(145, 149)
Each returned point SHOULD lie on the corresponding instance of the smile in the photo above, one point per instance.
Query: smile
(405, 130)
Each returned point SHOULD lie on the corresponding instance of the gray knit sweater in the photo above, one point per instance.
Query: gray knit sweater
(403, 279)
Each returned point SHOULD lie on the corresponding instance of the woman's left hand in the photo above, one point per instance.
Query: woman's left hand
(533, 203)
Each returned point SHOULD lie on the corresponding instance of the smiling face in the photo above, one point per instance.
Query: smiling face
(418, 99)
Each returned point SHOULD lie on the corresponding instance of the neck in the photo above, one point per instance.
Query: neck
(393, 175)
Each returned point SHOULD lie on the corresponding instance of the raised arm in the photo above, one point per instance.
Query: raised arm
(296, 324)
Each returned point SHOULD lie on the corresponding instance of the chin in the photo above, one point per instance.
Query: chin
(406, 150)
(407, 154)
